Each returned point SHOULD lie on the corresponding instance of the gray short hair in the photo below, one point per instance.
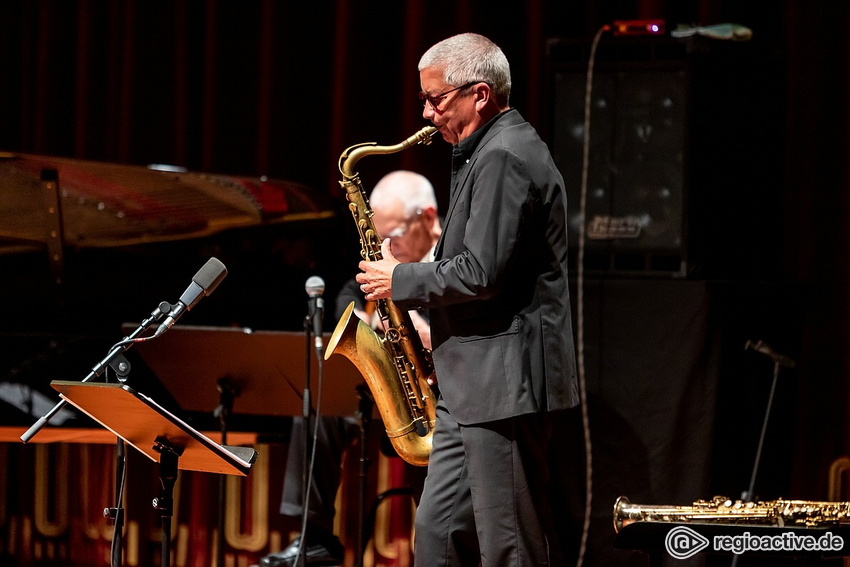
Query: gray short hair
(413, 190)
(469, 57)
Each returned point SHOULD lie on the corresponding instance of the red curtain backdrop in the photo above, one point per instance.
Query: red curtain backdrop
(264, 87)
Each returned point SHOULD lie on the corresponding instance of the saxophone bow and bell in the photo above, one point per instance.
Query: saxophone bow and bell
(396, 367)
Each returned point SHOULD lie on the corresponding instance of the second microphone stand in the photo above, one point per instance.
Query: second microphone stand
(305, 415)
(778, 362)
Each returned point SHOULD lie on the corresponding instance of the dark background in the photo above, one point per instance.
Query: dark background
(754, 246)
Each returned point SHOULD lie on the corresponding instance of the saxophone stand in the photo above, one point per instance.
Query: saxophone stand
(779, 361)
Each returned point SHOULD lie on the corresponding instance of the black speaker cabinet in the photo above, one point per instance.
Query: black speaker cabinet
(683, 154)
(636, 170)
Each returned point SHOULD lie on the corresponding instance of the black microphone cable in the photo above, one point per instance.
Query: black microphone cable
(312, 464)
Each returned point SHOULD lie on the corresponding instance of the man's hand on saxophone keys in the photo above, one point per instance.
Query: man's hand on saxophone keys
(376, 279)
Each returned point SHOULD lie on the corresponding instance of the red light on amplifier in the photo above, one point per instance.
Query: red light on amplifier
(638, 27)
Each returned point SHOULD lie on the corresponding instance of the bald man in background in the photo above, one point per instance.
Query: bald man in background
(405, 212)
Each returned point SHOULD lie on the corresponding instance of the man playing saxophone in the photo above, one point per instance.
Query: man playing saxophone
(405, 212)
(501, 331)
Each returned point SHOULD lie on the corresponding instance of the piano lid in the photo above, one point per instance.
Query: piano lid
(107, 205)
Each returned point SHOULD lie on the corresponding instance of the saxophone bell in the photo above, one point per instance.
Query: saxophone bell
(409, 434)
(396, 367)
(621, 518)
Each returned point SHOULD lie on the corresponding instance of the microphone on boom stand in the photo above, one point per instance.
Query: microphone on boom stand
(315, 287)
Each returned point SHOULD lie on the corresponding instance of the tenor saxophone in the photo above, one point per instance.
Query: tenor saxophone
(396, 367)
(723, 510)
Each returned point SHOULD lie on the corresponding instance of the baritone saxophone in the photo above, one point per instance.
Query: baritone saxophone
(396, 367)
(723, 510)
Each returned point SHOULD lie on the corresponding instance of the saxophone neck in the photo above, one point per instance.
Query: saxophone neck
(352, 155)
(355, 153)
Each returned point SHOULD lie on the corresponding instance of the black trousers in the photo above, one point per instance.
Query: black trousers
(486, 496)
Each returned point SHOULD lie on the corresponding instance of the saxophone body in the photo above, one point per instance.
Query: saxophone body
(722, 510)
(396, 367)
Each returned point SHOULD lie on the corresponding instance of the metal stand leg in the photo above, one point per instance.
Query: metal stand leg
(365, 411)
(121, 367)
(778, 361)
(227, 395)
(165, 503)
(749, 494)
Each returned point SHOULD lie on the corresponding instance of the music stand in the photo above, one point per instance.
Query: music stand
(264, 368)
(158, 434)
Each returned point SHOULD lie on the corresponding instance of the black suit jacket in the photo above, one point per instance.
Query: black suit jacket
(497, 292)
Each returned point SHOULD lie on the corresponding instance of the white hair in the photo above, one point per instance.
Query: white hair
(469, 57)
(413, 190)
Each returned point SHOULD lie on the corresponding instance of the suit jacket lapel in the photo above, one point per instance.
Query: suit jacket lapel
(458, 188)
(461, 185)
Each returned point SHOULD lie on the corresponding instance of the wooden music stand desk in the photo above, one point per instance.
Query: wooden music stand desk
(148, 427)
(265, 368)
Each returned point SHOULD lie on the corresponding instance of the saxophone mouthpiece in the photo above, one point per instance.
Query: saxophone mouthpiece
(426, 135)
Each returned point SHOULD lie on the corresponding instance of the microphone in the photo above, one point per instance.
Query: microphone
(204, 283)
(762, 347)
(315, 287)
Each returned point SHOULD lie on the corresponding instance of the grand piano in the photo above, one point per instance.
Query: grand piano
(86, 246)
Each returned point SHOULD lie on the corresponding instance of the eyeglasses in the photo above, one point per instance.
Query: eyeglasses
(400, 231)
(437, 99)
